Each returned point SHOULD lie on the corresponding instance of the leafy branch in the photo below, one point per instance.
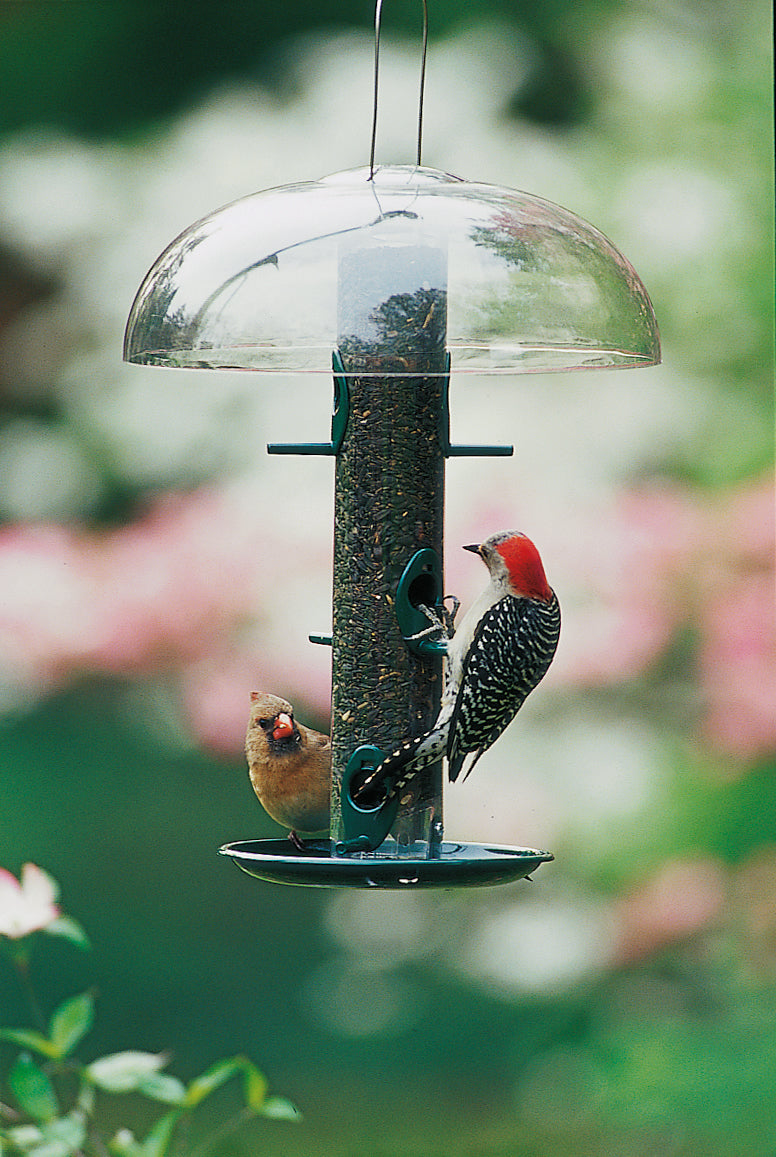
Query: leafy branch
(55, 1096)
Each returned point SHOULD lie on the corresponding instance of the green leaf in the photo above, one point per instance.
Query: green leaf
(158, 1139)
(254, 1082)
(254, 1086)
(280, 1109)
(29, 1039)
(68, 929)
(212, 1079)
(70, 1022)
(123, 1072)
(32, 1089)
(162, 1087)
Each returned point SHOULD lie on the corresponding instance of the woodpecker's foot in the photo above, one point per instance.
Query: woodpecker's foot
(449, 616)
(439, 625)
(298, 844)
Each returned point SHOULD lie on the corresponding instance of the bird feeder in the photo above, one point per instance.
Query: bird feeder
(386, 280)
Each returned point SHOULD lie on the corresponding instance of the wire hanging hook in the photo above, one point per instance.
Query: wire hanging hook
(378, 12)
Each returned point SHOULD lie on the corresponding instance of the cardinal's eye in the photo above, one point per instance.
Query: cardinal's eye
(264, 723)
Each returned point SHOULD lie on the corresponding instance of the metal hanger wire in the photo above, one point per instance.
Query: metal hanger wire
(378, 13)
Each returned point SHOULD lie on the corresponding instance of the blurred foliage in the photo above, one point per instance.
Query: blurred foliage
(57, 1100)
(97, 68)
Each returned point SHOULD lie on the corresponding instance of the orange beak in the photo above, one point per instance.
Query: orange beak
(284, 726)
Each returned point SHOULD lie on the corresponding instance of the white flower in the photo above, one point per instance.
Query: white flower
(28, 905)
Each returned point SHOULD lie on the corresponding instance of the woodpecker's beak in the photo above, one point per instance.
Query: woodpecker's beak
(284, 726)
(474, 548)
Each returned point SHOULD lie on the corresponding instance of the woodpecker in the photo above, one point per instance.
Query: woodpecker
(502, 648)
(289, 766)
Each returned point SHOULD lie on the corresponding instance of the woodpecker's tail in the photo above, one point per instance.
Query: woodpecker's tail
(402, 765)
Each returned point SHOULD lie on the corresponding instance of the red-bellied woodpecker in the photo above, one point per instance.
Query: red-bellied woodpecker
(289, 765)
(500, 651)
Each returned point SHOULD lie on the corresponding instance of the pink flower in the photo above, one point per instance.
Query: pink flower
(26, 906)
(683, 898)
(160, 593)
(738, 667)
(201, 586)
(664, 559)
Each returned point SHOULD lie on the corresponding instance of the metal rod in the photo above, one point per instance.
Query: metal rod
(378, 13)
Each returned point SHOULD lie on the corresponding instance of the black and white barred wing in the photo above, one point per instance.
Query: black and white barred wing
(511, 650)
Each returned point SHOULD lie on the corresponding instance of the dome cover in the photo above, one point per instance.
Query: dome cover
(278, 280)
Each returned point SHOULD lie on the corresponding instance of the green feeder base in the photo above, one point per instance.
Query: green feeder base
(458, 865)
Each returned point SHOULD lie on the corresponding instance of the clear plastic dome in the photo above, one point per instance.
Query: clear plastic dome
(280, 279)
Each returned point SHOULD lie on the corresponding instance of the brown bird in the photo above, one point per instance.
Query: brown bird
(289, 765)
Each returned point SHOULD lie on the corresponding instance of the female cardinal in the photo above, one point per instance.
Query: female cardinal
(289, 765)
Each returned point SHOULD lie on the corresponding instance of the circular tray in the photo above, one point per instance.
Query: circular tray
(458, 866)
